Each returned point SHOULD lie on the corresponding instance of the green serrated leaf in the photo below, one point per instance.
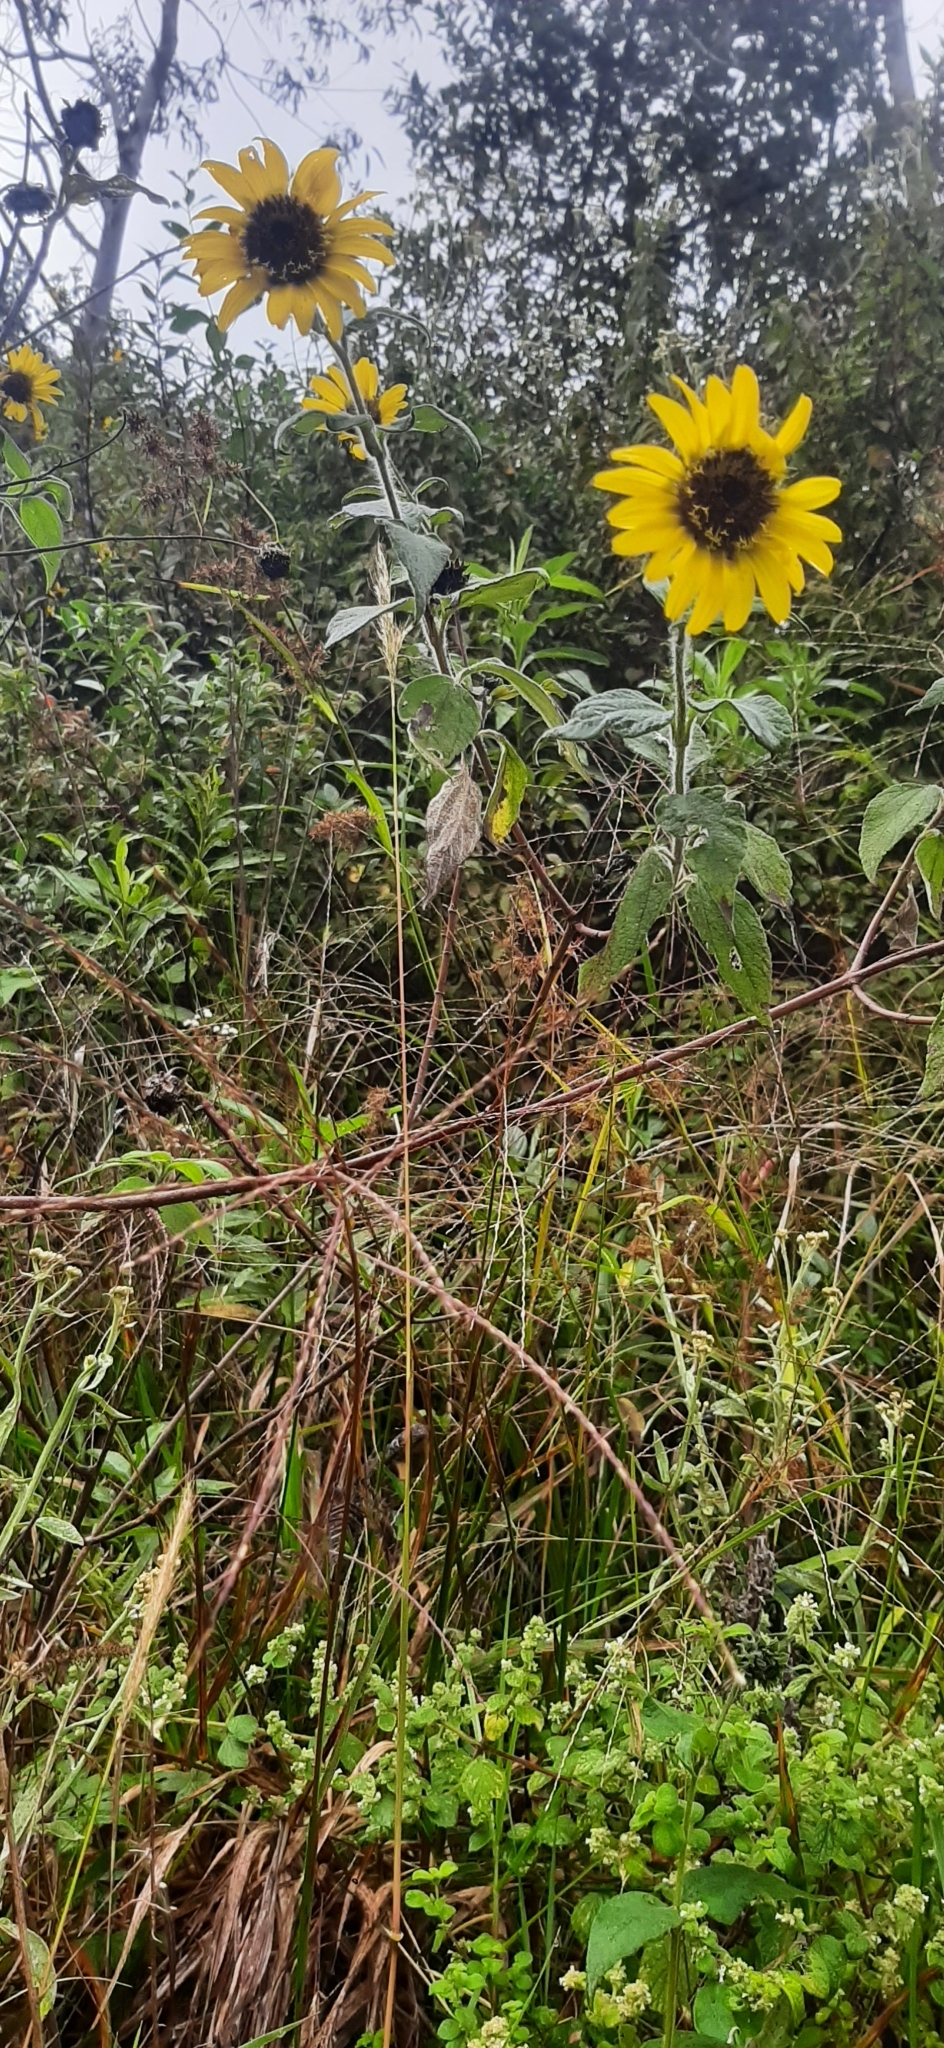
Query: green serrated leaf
(932, 1085)
(421, 555)
(619, 711)
(766, 868)
(42, 525)
(698, 810)
(929, 855)
(896, 813)
(443, 717)
(622, 1926)
(646, 897)
(718, 857)
(508, 790)
(738, 945)
(766, 719)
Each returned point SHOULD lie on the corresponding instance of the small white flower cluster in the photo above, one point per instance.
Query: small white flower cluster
(845, 1656)
(167, 1690)
(202, 1020)
(802, 1617)
(493, 2033)
(620, 2001)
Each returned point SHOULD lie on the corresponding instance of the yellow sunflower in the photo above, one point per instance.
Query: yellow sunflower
(27, 383)
(294, 240)
(717, 518)
(333, 394)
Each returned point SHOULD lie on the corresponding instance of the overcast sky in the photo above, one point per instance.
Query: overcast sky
(352, 99)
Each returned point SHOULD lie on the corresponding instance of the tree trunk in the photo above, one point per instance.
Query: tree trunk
(93, 325)
(897, 60)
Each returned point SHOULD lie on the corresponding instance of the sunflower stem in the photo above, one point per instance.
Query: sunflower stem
(680, 656)
(372, 440)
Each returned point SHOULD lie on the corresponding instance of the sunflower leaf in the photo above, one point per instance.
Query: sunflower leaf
(933, 1083)
(453, 830)
(14, 458)
(766, 867)
(737, 943)
(443, 717)
(766, 719)
(929, 854)
(42, 525)
(513, 588)
(896, 813)
(422, 556)
(619, 711)
(647, 895)
(430, 419)
(504, 804)
(352, 619)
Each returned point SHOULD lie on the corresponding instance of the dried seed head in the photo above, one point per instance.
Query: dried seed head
(274, 561)
(27, 202)
(81, 124)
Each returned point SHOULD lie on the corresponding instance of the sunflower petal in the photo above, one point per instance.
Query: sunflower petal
(231, 180)
(329, 307)
(718, 403)
(367, 378)
(642, 455)
(699, 412)
(738, 593)
(745, 407)
(267, 177)
(810, 493)
(710, 597)
(772, 582)
(243, 294)
(678, 424)
(316, 180)
(794, 426)
(390, 403)
(686, 580)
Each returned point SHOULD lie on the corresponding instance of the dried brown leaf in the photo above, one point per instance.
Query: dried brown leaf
(453, 830)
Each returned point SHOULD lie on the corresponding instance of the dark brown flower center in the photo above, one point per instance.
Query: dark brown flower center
(726, 499)
(287, 239)
(17, 386)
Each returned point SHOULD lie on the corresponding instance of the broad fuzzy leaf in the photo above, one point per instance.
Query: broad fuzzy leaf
(507, 795)
(738, 945)
(352, 619)
(766, 868)
(617, 711)
(422, 556)
(766, 719)
(646, 897)
(929, 854)
(443, 717)
(896, 813)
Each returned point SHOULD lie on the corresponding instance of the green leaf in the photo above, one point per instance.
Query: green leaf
(929, 854)
(737, 943)
(233, 1755)
(932, 697)
(60, 1530)
(617, 711)
(443, 717)
(717, 859)
(766, 868)
(896, 813)
(352, 619)
(185, 318)
(242, 1727)
(825, 1966)
(481, 1783)
(13, 979)
(933, 1084)
(495, 591)
(621, 1926)
(712, 2012)
(766, 719)
(524, 686)
(646, 897)
(40, 1962)
(698, 810)
(422, 556)
(727, 1889)
(16, 462)
(42, 525)
(430, 419)
(508, 790)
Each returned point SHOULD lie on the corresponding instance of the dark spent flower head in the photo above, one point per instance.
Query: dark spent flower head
(451, 578)
(24, 201)
(81, 124)
(274, 561)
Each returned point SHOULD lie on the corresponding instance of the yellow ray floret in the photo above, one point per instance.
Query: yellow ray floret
(714, 514)
(292, 242)
(333, 395)
(27, 383)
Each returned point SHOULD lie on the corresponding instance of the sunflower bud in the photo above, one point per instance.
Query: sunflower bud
(81, 124)
(273, 561)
